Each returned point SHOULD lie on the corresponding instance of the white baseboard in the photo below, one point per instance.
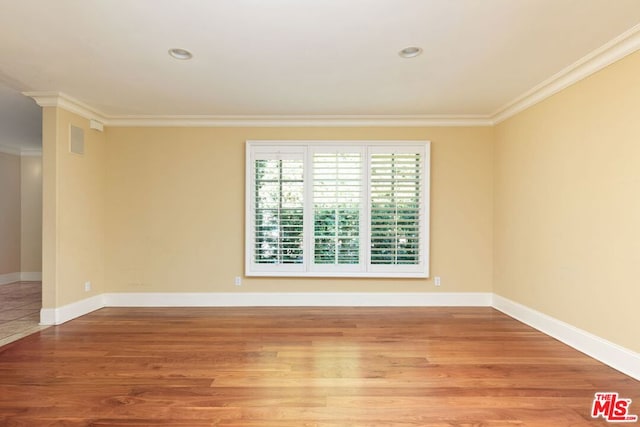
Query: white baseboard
(301, 299)
(57, 316)
(619, 358)
(7, 278)
(31, 276)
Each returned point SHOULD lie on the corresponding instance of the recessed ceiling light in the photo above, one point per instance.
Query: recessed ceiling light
(410, 52)
(180, 53)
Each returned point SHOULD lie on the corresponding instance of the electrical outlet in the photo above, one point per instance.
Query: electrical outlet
(238, 281)
(87, 286)
(436, 280)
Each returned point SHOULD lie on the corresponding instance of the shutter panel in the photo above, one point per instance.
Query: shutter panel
(337, 210)
(279, 211)
(277, 215)
(396, 181)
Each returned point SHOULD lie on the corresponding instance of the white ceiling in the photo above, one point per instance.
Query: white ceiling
(299, 57)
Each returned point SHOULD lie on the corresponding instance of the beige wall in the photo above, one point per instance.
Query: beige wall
(175, 210)
(567, 205)
(20, 214)
(73, 210)
(9, 213)
(31, 207)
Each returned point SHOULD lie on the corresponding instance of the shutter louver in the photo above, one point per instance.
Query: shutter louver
(279, 216)
(396, 180)
(337, 188)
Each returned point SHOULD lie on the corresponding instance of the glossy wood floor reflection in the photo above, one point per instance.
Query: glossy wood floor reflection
(285, 367)
(20, 304)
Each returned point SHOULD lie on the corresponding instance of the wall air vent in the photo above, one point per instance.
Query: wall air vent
(76, 140)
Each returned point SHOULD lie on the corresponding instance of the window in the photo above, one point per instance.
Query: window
(347, 208)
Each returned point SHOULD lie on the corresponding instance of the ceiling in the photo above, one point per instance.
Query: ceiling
(299, 57)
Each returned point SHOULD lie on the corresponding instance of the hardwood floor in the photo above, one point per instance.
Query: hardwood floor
(20, 305)
(285, 367)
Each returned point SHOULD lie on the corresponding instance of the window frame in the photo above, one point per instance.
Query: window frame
(308, 268)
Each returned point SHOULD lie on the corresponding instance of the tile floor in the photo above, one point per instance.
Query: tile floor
(20, 305)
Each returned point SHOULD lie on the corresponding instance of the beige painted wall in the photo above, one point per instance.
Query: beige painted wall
(175, 210)
(31, 214)
(9, 213)
(567, 205)
(73, 210)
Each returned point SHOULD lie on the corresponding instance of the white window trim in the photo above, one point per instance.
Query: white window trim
(309, 269)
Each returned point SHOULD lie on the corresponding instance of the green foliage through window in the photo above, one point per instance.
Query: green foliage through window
(337, 197)
(395, 208)
(279, 213)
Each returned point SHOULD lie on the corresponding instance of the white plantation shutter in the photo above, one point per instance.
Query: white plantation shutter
(277, 209)
(332, 208)
(397, 200)
(338, 188)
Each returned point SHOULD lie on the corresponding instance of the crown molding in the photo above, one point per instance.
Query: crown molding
(616, 49)
(9, 150)
(16, 151)
(30, 152)
(66, 102)
(300, 121)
